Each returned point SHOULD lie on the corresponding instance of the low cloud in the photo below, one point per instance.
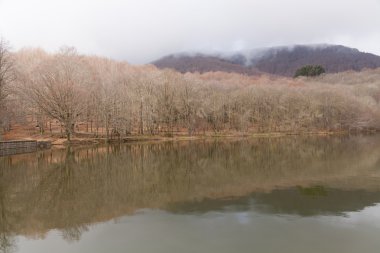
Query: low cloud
(140, 31)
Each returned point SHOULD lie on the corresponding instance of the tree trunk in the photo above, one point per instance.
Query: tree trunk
(107, 128)
(141, 125)
(68, 135)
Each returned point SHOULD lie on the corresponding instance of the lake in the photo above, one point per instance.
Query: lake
(287, 194)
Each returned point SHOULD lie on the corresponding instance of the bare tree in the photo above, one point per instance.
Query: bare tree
(6, 76)
(58, 88)
(119, 99)
(189, 103)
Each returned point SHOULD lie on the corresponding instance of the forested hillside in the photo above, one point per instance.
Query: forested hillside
(283, 61)
(67, 94)
(203, 63)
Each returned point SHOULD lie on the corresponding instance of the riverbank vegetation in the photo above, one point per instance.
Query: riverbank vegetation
(67, 94)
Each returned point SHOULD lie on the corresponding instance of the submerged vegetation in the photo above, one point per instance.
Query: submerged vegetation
(66, 93)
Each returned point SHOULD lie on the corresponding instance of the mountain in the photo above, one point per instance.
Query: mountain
(285, 61)
(203, 63)
(282, 61)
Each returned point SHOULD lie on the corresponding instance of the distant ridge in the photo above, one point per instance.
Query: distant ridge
(203, 63)
(283, 61)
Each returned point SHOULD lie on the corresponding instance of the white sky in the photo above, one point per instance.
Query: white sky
(140, 31)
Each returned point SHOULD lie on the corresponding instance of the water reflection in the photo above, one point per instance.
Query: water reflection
(293, 201)
(71, 189)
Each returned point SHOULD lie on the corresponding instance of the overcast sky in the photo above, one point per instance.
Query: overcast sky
(140, 31)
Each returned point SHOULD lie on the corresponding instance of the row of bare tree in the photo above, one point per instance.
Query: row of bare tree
(6, 77)
(98, 96)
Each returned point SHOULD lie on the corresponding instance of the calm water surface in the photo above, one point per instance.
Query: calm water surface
(293, 194)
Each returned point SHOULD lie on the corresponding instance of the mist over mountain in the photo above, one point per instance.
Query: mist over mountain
(283, 61)
(206, 63)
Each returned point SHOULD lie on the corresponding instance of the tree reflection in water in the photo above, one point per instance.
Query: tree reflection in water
(73, 188)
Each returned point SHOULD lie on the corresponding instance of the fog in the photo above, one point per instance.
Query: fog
(140, 31)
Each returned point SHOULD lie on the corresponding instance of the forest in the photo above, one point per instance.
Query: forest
(66, 94)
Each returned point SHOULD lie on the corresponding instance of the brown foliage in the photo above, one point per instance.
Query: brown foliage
(102, 97)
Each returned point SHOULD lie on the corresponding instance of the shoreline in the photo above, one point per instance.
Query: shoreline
(57, 142)
(54, 142)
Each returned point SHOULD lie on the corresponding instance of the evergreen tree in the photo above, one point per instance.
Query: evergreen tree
(310, 70)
